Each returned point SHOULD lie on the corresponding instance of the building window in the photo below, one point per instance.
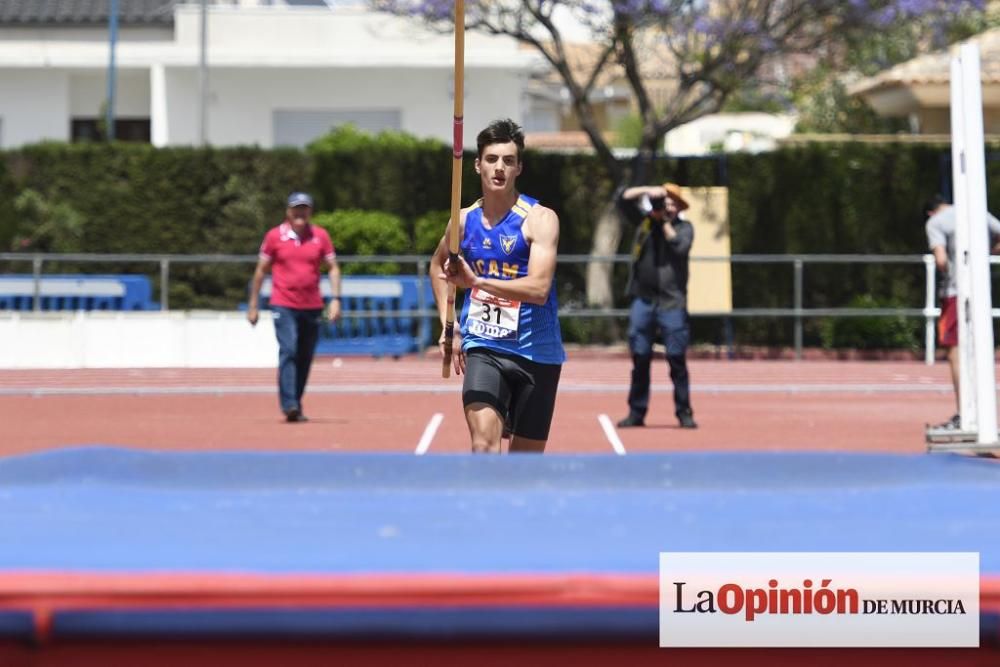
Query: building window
(126, 129)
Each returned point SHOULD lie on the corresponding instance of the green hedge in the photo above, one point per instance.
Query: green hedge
(393, 190)
(864, 333)
(366, 233)
(139, 199)
(428, 230)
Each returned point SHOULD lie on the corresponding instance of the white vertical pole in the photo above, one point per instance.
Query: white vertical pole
(109, 113)
(978, 378)
(203, 77)
(980, 300)
(159, 125)
(930, 272)
(959, 172)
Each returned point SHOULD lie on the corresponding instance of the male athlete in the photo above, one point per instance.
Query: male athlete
(510, 346)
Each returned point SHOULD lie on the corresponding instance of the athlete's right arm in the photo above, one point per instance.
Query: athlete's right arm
(439, 284)
(263, 266)
(441, 292)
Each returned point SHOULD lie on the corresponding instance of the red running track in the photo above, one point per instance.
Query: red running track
(364, 404)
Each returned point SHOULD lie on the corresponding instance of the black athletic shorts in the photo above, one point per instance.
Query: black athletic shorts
(513, 385)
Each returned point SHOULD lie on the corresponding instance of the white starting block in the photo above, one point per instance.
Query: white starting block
(940, 439)
(951, 439)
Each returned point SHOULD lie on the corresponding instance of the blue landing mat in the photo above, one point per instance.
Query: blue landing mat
(114, 510)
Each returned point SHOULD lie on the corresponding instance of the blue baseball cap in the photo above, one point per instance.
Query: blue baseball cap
(299, 199)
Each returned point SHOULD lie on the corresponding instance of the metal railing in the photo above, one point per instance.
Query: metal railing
(798, 312)
(164, 262)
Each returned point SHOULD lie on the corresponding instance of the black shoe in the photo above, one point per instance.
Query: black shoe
(294, 415)
(953, 424)
(686, 420)
(631, 420)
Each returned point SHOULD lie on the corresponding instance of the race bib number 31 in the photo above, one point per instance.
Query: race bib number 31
(493, 316)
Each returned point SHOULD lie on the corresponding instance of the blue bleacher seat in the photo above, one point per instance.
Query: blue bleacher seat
(77, 292)
(376, 335)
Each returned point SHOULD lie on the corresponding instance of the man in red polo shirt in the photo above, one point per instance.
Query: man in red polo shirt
(296, 252)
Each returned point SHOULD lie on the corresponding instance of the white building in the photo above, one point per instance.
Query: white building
(279, 72)
(750, 132)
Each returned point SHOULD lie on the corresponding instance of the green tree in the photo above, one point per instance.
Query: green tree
(363, 234)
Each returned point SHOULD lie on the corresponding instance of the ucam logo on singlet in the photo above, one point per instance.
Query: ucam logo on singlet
(507, 243)
(842, 599)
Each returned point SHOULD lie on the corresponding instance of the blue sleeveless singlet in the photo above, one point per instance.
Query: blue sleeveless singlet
(525, 329)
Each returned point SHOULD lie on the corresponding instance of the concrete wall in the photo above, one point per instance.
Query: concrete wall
(242, 102)
(34, 106)
(198, 339)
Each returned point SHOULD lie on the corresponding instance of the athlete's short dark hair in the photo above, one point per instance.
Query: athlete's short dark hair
(501, 131)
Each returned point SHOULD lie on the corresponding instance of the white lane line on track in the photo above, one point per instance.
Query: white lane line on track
(428, 436)
(570, 388)
(611, 434)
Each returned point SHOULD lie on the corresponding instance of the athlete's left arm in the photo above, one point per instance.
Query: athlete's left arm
(541, 231)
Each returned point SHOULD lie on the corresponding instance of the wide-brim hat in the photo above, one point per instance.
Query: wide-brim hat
(674, 192)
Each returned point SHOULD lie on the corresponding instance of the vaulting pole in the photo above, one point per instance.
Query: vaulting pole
(456, 179)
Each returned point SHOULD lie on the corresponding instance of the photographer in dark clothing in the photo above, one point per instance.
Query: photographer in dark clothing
(658, 288)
